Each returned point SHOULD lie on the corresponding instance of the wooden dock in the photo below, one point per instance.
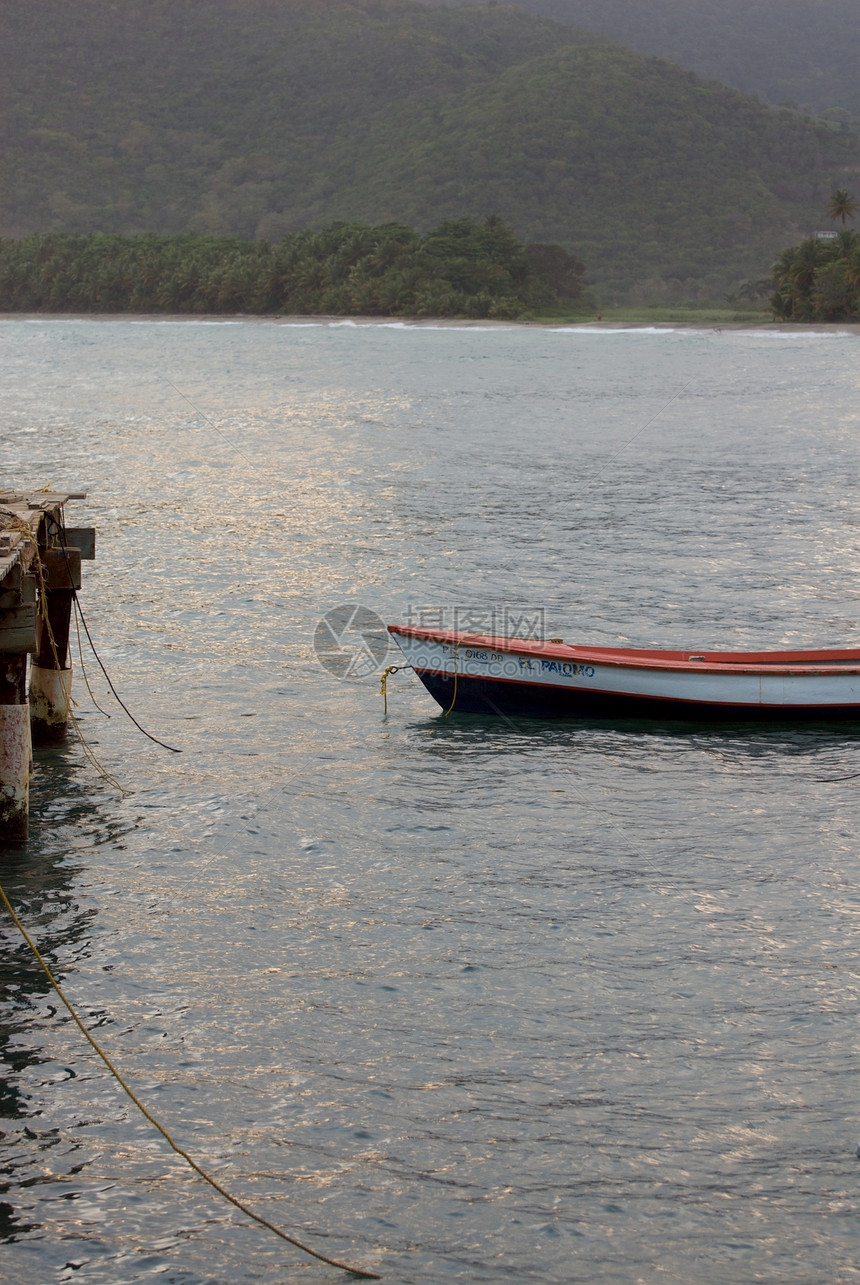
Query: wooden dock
(40, 572)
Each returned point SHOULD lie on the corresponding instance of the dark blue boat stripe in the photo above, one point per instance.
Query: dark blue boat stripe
(544, 700)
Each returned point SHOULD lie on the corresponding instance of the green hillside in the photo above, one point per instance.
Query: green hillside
(134, 115)
(803, 52)
(653, 175)
(254, 118)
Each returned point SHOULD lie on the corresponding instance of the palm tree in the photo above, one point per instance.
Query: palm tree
(811, 255)
(852, 267)
(752, 290)
(841, 205)
(794, 275)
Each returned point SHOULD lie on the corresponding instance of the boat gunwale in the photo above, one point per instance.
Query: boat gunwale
(844, 660)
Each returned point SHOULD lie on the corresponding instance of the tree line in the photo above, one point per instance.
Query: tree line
(462, 268)
(819, 279)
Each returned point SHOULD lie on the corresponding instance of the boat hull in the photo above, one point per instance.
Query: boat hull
(525, 700)
(474, 674)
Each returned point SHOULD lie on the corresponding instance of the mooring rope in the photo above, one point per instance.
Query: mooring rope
(14, 522)
(46, 622)
(81, 657)
(120, 702)
(83, 619)
(383, 681)
(454, 697)
(240, 1205)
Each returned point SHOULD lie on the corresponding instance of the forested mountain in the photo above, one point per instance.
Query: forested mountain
(127, 115)
(254, 118)
(805, 53)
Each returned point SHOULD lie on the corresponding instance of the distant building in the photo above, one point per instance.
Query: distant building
(830, 235)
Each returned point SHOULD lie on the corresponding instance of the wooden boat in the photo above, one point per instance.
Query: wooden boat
(480, 674)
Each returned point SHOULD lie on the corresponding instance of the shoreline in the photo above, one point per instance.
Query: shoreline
(454, 323)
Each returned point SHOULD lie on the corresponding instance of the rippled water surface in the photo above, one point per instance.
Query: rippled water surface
(456, 999)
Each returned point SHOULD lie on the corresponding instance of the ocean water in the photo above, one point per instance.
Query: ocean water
(453, 999)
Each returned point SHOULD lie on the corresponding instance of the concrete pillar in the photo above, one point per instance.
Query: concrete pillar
(15, 751)
(51, 673)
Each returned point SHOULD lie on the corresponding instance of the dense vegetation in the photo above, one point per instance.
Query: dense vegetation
(802, 53)
(233, 117)
(460, 269)
(819, 280)
(260, 118)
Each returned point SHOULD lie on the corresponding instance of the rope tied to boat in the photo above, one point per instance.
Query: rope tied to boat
(383, 681)
(454, 697)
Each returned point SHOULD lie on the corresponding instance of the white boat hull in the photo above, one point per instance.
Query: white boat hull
(479, 674)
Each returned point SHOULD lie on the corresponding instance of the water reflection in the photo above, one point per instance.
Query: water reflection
(505, 735)
(512, 1001)
(67, 821)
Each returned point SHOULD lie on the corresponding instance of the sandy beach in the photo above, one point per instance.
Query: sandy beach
(454, 323)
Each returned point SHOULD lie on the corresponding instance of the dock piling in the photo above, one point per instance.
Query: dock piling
(15, 750)
(50, 670)
(39, 575)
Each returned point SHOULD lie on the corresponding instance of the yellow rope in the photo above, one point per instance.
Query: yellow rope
(99, 767)
(355, 1271)
(383, 683)
(454, 697)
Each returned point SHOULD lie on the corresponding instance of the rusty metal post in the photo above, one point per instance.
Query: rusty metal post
(50, 672)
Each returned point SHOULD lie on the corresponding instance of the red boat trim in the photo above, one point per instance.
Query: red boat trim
(822, 661)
